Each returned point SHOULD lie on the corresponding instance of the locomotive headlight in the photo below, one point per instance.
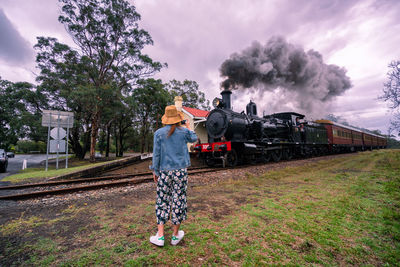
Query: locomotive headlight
(217, 102)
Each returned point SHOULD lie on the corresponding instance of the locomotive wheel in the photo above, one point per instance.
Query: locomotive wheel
(287, 154)
(210, 162)
(276, 155)
(266, 156)
(231, 158)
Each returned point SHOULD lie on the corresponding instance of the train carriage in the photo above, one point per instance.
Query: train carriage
(357, 138)
(367, 140)
(347, 138)
(342, 137)
(374, 141)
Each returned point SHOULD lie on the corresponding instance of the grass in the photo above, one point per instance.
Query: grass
(343, 211)
(19, 224)
(30, 174)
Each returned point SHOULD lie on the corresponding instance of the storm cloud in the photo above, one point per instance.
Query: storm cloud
(279, 64)
(13, 47)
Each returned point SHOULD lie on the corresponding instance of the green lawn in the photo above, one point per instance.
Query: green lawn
(343, 211)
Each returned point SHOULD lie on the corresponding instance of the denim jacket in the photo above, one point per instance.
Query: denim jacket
(171, 153)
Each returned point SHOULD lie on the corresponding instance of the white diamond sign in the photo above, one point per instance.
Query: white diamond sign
(58, 133)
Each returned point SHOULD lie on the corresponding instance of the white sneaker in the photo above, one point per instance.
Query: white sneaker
(176, 239)
(157, 240)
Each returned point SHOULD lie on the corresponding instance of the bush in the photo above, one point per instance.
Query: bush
(27, 146)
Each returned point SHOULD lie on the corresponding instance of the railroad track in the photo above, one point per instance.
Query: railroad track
(47, 189)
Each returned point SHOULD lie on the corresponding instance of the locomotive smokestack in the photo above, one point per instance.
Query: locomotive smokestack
(226, 98)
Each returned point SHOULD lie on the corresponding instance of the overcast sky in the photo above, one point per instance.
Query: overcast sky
(195, 37)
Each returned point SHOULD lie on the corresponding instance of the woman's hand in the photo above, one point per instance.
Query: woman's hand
(155, 177)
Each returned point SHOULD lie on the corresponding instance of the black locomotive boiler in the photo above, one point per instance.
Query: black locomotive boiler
(245, 137)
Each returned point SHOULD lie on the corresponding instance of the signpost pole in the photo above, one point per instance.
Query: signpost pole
(58, 139)
(64, 119)
(48, 144)
(66, 160)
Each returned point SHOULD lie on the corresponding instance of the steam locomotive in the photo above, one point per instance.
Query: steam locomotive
(235, 138)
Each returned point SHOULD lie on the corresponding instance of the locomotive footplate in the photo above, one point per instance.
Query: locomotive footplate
(213, 147)
(217, 151)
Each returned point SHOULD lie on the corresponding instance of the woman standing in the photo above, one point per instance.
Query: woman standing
(170, 160)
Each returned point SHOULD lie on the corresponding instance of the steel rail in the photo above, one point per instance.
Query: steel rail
(72, 189)
(82, 180)
(72, 181)
(87, 187)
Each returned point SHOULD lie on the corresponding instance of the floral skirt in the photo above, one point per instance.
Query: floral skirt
(171, 196)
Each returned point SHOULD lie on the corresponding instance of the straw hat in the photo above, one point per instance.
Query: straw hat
(172, 115)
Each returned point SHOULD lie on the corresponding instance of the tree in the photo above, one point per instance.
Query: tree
(392, 142)
(391, 92)
(339, 119)
(8, 135)
(123, 121)
(107, 62)
(391, 88)
(19, 113)
(149, 101)
(61, 74)
(190, 92)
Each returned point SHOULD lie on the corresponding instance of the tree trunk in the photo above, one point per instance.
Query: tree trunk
(93, 137)
(143, 143)
(86, 143)
(121, 146)
(143, 133)
(108, 141)
(148, 145)
(75, 144)
(116, 141)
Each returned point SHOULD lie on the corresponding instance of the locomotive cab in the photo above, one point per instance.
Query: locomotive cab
(296, 128)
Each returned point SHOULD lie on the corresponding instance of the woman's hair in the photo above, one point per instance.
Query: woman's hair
(172, 130)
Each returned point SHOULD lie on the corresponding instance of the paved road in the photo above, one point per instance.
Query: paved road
(15, 164)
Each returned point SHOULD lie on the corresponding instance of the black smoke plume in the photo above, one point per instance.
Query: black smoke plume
(281, 64)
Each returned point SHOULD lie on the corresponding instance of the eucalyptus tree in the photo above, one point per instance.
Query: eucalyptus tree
(123, 122)
(190, 92)
(108, 118)
(106, 62)
(19, 113)
(148, 102)
(391, 92)
(63, 83)
(28, 108)
(7, 134)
